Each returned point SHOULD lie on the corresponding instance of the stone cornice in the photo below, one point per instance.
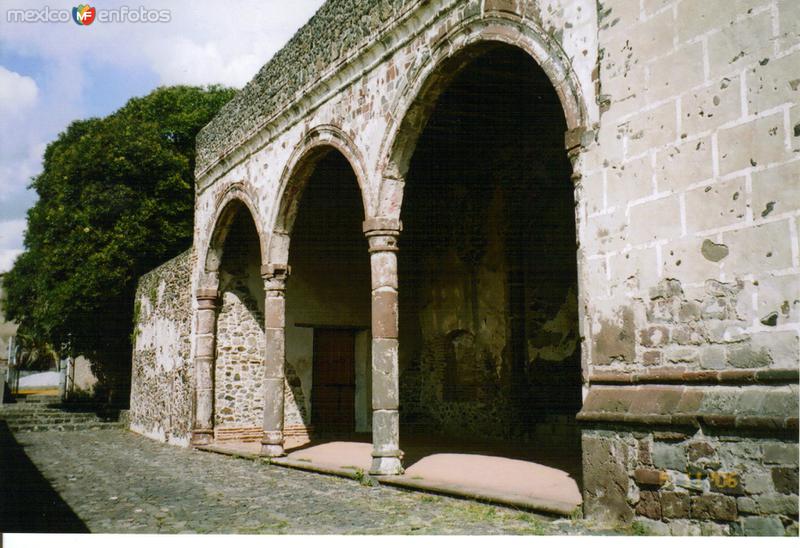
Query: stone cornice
(729, 376)
(721, 406)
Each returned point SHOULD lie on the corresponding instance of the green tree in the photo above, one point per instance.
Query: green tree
(116, 199)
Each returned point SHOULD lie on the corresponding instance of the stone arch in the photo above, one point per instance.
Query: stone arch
(314, 146)
(232, 203)
(436, 70)
(236, 198)
(479, 258)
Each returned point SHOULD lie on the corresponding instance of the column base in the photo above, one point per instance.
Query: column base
(202, 437)
(272, 450)
(272, 444)
(386, 466)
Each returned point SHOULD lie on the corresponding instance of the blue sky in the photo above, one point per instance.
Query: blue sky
(53, 73)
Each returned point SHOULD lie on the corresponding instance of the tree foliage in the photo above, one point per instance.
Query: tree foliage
(116, 199)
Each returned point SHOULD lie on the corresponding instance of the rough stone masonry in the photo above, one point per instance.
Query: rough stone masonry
(681, 124)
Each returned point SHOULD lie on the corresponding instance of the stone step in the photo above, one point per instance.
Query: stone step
(38, 398)
(69, 427)
(48, 414)
(42, 413)
(55, 420)
(22, 407)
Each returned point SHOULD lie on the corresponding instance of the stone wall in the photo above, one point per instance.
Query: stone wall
(161, 383)
(690, 197)
(690, 482)
(83, 380)
(691, 201)
(239, 367)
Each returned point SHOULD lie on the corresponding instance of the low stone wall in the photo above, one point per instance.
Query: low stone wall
(161, 384)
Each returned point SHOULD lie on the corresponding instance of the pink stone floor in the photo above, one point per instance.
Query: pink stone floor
(487, 471)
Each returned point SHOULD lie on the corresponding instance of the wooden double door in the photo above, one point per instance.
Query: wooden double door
(333, 389)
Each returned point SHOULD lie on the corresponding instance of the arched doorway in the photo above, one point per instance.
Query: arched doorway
(328, 303)
(239, 366)
(229, 348)
(489, 340)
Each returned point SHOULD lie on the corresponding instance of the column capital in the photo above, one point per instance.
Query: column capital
(382, 233)
(275, 270)
(206, 297)
(382, 226)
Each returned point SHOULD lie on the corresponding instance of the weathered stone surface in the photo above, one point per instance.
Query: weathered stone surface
(759, 248)
(711, 106)
(605, 479)
(746, 505)
(718, 507)
(755, 483)
(649, 505)
(699, 449)
(757, 526)
(780, 453)
(162, 378)
(777, 504)
(645, 455)
(240, 370)
(675, 504)
(726, 200)
(650, 476)
(672, 457)
(615, 339)
(785, 480)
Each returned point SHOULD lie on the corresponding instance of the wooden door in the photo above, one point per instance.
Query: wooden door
(334, 380)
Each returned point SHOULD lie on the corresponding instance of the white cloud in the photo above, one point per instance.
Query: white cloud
(10, 242)
(200, 45)
(24, 162)
(17, 92)
(194, 63)
(7, 258)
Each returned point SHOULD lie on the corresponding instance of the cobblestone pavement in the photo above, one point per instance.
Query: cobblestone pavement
(118, 482)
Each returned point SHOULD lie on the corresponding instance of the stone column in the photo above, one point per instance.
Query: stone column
(274, 356)
(203, 429)
(382, 234)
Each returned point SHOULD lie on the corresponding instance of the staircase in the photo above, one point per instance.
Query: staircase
(37, 413)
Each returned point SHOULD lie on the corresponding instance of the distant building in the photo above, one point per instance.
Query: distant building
(76, 379)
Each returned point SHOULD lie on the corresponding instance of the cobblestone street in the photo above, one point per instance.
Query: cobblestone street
(113, 481)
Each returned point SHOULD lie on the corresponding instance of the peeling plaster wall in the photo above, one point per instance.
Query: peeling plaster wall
(689, 194)
(689, 205)
(161, 385)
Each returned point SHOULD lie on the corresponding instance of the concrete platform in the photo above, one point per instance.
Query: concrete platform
(514, 482)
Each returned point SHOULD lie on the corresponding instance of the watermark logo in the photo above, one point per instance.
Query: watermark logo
(84, 14)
